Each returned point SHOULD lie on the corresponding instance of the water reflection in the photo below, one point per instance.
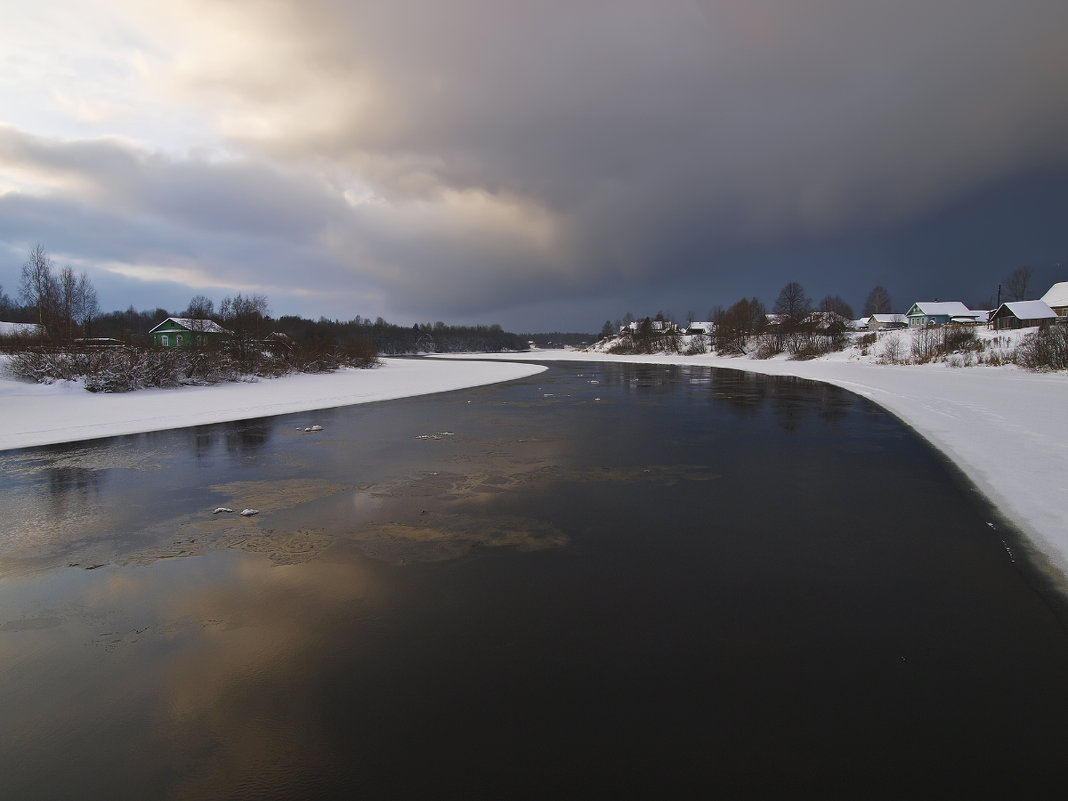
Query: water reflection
(242, 437)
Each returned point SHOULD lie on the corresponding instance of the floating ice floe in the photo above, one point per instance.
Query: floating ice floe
(249, 512)
(219, 509)
(438, 435)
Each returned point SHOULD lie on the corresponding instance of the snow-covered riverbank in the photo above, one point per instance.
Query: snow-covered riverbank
(39, 414)
(1004, 427)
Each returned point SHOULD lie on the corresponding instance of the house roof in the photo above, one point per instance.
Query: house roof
(949, 308)
(20, 329)
(1027, 310)
(1057, 295)
(886, 319)
(189, 324)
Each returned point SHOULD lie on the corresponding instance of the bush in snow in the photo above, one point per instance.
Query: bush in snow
(766, 345)
(892, 350)
(698, 345)
(934, 342)
(1046, 349)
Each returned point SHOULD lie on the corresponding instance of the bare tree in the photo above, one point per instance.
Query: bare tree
(792, 303)
(199, 313)
(246, 317)
(878, 302)
(1016, 283)
(837, 305)
(40, 288)
(68, 283)
(85, 306)
(737, 324)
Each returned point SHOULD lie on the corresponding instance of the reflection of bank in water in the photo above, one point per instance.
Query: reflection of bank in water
(438, 537)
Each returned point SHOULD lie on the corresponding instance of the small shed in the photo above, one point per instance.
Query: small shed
(882, 322)
(185, 332)
(1057, 298)
(973, 317)
(927, 312)
(1022, 314)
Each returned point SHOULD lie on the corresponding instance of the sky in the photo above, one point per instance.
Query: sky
(541, 165)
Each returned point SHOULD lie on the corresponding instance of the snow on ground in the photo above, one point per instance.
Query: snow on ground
(18, 329)
(1004, 427)
(40, 414)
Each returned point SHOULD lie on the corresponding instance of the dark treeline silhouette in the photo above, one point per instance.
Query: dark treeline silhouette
(390, 339)
(132, 326)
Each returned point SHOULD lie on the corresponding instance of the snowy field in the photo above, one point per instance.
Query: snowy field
(40, 414)
(1004, 427)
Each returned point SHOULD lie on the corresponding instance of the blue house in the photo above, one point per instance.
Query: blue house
(924, 312)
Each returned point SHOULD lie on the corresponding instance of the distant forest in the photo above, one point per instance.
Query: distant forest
(388, 339)
(66, 307)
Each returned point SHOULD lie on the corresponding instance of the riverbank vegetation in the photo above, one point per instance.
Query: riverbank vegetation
(58, 332)
(799, 331)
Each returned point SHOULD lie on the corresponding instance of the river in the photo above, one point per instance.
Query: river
(630, 580)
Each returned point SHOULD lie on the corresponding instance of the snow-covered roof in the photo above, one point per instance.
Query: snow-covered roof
(1028, 310)
(950, 308)
(826, 319)
(19, 329)
(190, 324)
(1057, 295)
(887, 319)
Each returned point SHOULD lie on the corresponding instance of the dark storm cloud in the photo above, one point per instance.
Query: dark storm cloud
(656, 132)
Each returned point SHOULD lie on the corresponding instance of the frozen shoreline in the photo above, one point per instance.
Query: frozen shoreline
(1004, 427)
(38, 414)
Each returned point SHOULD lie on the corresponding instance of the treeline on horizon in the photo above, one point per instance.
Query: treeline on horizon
(65, 307)
(115, 352)
(132, 326)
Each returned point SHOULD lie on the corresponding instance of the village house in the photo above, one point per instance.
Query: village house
(882, 322)
(1057, 298)
(184, 332)
(1022, 314)
(924, 313)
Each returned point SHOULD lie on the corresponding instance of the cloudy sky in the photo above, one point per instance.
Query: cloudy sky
(543, 165)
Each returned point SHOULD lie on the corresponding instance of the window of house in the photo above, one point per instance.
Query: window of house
(179, 339)
(164, 340)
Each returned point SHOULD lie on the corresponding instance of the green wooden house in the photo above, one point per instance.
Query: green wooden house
(183, 332)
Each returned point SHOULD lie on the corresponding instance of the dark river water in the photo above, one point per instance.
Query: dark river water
(610, 580)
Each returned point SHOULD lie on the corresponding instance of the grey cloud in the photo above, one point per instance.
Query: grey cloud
(238, 196)
(657, 133)
(251, 225)
(792, 113)
(518, 152)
